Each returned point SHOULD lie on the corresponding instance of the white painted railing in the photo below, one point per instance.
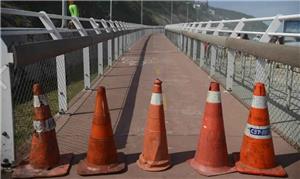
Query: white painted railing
(21, 64)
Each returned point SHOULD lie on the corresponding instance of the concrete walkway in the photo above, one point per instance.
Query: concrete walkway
(185, 86)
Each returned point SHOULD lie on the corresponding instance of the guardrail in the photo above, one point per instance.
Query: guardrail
(237, 64)
(64, 61)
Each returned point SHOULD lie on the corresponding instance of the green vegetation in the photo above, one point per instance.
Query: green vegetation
(23, 116)
(155, 13)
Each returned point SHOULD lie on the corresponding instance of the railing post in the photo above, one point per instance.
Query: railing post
(126, 36)
(109, 43)
(116, 48)
(120, 37)
(123, 37)
(289, 86)
(86, 54)
(202, 47)
(194, 49)
(190, 42)
(184, 44)
(214, 49)
(181, 46)
(7, 147)
(60, 64)
(178, 38)
(188, 46)
(99, 47)
(195, 44)
(231, 57)
(114, 42)
(261, 74)
(270, 65)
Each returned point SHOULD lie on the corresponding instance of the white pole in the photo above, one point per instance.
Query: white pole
(110, 10)
(171, 12)
(63, 13)
(187, 12)
(141, 11)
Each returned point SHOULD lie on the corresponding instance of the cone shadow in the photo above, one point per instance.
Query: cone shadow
(284, 160)
(77, 157)
(287, 159)
(123, 125)
(181, 157)
(132, 158)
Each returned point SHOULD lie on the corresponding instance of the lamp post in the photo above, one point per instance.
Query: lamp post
(141, 11)
(110, 10)
(187, 12)
(63, 13)
(171, 12)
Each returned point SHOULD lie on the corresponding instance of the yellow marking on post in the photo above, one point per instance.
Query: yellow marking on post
(157, 71)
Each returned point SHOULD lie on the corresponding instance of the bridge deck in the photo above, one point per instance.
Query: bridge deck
(185, 86)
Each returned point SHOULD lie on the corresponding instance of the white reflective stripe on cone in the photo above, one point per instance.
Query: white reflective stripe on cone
(258, 132)
(39, 100)
(213, 97)
(156, 99)
(43, 126)
(259, 102)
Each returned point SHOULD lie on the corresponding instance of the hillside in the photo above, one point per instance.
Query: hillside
(155, 13)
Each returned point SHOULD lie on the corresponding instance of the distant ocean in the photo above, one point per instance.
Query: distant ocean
(259, 8)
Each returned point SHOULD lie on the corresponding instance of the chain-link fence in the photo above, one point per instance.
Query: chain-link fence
(45, 72)
(282, 84)
(22, 79)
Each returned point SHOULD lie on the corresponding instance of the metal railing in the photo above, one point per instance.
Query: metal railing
(237, 64)
(64, 61)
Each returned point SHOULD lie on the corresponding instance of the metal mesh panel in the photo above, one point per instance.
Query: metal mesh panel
(93, 61)
(74, 73)
(206, 64)
(221, 65)
(284, 102)
(105, 55)
(22, 79)
(282, 84)
(244, 69)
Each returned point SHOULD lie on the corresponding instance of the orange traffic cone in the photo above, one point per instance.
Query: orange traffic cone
(102, 155)
(211, 157)
(257, 152)
(44, 158)
(155, 155)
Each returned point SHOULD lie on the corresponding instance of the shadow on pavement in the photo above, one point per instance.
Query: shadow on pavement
(176, 158)
(287, 159)
(181, 157)
(123, 126)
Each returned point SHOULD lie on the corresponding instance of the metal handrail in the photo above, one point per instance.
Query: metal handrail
(23, 31)
(191, 26)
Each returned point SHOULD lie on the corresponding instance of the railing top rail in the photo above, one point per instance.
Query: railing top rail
(280, 17)
(104, 25)
(54, 16)
(275, 52)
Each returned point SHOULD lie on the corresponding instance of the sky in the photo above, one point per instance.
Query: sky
(259, 8)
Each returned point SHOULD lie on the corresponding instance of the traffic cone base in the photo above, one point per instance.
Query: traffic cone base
(27, 171)
(210, 171)
(276, 171)
(153, 166)
(85, 169)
